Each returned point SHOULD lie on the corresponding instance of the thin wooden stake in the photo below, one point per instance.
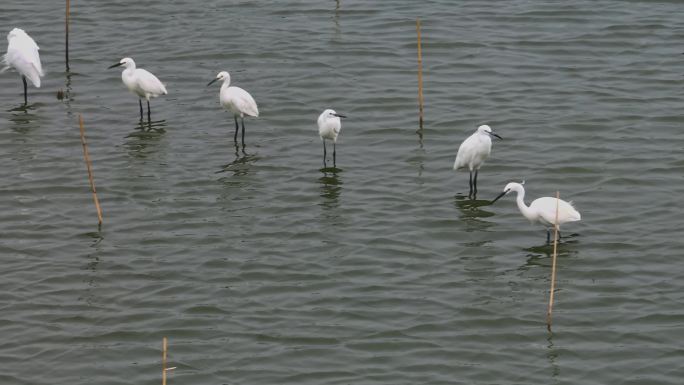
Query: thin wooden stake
(549, 311)
(164, 368)
(420, 75)
(90, 171)
(164, 345)
(66, 33)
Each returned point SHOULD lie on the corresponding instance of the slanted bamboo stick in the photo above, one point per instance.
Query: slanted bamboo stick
(90, 171)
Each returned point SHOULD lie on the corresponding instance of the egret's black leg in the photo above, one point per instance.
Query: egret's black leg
(470, 192)
(23, 78)
(548, 235)
(475, 185)
(141, 109)
(334, 160)
(149, 113)
(325, 154)
(243, 132)
(237, 128)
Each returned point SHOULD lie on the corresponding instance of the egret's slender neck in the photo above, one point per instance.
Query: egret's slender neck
(226, 83)
(129, 68)
(524, 209)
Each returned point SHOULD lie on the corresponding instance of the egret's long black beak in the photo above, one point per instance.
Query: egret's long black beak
(500, 195)
(495, 135)
(115, 65)
(211, 82)
(340, 115)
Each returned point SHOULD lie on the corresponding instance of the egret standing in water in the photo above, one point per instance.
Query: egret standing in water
(542, 210)
(237, 101)
(140, 82)
(473, 152)
(22, 55)
(329, 126)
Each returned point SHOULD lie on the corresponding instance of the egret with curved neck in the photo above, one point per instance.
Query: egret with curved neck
(542, 210)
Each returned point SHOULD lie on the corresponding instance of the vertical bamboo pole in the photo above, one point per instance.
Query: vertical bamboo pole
(90, 171)
(549, 311)
(66, 33)
(164, 346)
(420, 75)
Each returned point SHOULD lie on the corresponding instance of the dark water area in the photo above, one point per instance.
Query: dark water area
(263, 268)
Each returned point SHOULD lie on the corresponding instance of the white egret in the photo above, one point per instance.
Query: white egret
(542, 210)
(237, 101)
(22, 55)
(473, 152)
(329, 126)
(140, 82)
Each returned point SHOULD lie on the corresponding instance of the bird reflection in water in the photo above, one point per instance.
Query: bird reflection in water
(331, 187)
(144, 138)
(158, 126)
(472, 209)
(541, 255)
(241, 165)
(473, 215)
(22, 117)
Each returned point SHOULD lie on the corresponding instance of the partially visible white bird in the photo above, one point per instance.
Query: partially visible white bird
(22, 55)
(473, 152)
(140, 82)
(542, 210)
(329, 126)
(237, 101)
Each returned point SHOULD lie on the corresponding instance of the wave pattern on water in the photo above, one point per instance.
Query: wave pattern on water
(261, 267)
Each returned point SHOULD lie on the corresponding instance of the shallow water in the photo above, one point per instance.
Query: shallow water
(263, 268)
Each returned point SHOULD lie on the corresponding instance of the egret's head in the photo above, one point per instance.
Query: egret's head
(15, 33)
(513, 186)
(329, 113)
(125, 62)
(485, 129)
(221, 76)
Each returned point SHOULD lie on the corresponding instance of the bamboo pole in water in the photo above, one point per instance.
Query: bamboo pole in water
(164, 368)
(66, 33)
(549, 311)
(90, 171)
(420, 76)
(164, 345)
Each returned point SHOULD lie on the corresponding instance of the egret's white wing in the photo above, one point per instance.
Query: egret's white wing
(546, 209)
(466, 152)
(22, 54)
(244, 101)
(148, 83)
